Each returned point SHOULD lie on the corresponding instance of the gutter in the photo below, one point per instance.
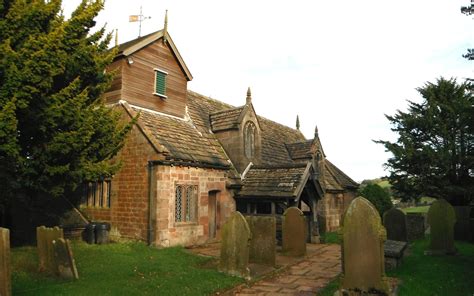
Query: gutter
(189, 164)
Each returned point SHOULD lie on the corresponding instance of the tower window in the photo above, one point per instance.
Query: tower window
(160, 83)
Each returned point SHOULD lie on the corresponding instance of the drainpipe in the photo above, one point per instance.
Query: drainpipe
(151, 203)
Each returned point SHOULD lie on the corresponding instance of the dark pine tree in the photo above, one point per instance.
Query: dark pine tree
(434, 153)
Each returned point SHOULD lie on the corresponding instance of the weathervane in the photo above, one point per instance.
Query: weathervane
(138, 18)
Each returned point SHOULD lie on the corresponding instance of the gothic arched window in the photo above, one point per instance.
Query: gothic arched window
(249, 139)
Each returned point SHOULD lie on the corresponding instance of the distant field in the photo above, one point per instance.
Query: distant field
(384, 184)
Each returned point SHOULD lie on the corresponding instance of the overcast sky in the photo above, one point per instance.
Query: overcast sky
(340, 65)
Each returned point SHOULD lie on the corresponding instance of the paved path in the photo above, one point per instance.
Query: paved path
(303, 276)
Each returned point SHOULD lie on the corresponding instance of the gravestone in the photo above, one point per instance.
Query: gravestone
(235, 244)
(63, 259)
(263, 243)
(471, 224)
(415, 226)
(294, 232)
(362, 249)
(394, 252)
(441, 218)
(5, 273)
(461, 227)
(395, 223)
(44, 239)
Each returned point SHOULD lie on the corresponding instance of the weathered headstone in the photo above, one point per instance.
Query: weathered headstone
(263, 243)
(235, 244)
(394, 252)
(5, 273)
(395, 222)
(63, 259)
(294, 232)
(363, 239)
(441, 218)
(44, 239)
(461, 227)
(415, 226)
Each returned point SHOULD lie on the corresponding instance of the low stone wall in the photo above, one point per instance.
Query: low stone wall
(415, 226)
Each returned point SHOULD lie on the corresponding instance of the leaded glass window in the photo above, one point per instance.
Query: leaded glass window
(186, 203)
(96, 194)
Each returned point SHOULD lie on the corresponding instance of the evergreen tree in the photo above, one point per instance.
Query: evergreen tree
(55, 131)
(434, 153)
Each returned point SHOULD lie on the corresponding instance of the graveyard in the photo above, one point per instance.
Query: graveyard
(249, 261)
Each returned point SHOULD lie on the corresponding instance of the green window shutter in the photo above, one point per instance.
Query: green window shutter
(160, 83)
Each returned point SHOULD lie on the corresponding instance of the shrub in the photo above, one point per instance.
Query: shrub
(379, 197)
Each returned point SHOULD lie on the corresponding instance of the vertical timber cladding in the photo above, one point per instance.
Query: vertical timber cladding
(138, 80)
(170, 232)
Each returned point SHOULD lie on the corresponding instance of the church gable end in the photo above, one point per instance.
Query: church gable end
(151, 74)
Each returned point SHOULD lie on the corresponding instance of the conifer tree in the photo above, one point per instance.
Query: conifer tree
(434, 152)
(55, 130)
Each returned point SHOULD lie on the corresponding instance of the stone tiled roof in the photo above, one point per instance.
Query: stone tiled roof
(181, 139)
(274, 137)
(274, 181)
(337, 179)
(226, 119)
(200, 108)
(281, 145)
(300, 150)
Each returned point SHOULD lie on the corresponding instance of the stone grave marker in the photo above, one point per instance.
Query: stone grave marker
(395, 222)
(235, 244)
(294, 232)
(362, 249)
(415, 226)
(263, 243)
(5, 273)
(441, 218)
(65, 265)
(471, 225)
(461, 227)
(44, 239)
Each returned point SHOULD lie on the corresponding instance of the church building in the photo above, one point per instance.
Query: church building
(190, 160)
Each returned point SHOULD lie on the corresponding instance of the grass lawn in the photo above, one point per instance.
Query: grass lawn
(331, 238)
(422, 209)
(437, 275)
(122, 269)
(422, 275)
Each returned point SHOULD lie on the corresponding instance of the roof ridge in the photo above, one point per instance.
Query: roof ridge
(281, 166)
(226, 110)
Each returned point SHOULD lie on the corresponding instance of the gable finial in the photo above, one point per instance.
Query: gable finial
(116, 38)
(165, 28)
(249, 96)
(316, 135)
(297, 122)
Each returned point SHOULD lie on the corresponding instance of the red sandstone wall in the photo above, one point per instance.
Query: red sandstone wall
(170, 233)
(128, 214)
(331, 209)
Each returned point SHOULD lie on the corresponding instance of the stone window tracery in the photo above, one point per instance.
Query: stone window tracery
(249, 140)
